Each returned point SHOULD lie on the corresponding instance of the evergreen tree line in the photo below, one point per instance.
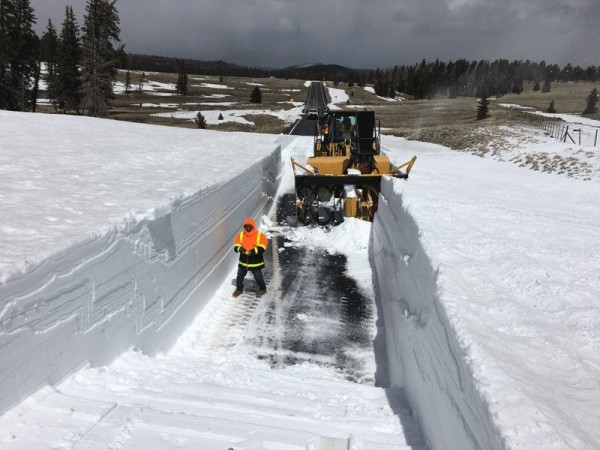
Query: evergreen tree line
(473, 78)
(80, 63)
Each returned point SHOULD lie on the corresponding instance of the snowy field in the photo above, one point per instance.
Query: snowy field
(289, 116)
(511, 259)
(487, 276)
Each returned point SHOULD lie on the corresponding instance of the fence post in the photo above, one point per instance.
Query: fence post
(596, 137)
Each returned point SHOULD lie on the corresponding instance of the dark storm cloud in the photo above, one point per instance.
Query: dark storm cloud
(355, 33)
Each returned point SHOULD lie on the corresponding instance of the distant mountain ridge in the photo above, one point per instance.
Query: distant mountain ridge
(317, 70)
(153, 63)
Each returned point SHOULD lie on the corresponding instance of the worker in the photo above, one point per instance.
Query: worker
(250, 244)
(347, 129)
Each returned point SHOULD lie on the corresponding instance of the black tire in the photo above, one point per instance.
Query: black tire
(323, 215)
(338, 217)
(304, 215)
(306, 194)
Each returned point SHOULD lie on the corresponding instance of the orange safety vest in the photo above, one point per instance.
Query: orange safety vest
(251, 247)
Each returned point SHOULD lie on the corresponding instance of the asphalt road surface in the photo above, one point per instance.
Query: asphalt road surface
(314, 311)
(316, 99)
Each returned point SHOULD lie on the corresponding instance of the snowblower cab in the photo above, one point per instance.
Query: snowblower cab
(343, 178)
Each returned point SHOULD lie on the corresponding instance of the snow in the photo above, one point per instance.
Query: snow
(214, 86)
(236, 115)
(514, 256)
(486, 276)
(147, 87)
(337, 96)
(582, 131)
(55, 197)
(216, 96)
(371, 89)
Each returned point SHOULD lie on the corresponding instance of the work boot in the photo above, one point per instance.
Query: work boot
(236, 293)
(261, 292)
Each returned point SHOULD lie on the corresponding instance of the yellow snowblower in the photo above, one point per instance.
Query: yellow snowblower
(343, 178)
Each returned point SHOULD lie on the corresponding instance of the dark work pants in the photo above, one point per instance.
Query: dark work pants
(258, 276)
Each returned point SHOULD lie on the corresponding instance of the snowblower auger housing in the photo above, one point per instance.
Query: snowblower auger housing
(343, 178)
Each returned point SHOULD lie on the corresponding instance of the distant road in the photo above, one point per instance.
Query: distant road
(315, 99)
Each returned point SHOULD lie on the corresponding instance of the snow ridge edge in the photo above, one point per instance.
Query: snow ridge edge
(425, 357)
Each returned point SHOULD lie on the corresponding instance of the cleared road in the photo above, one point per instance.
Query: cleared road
(316, 98)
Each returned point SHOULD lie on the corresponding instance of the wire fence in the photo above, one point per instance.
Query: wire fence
(146, 113)
(179, 114)
(582, 134)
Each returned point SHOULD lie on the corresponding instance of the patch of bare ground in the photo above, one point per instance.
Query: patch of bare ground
(514, 143)
(262, 124)
(206, 93)
(553, 163)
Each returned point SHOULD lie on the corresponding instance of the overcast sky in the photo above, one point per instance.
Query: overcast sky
(353, 33)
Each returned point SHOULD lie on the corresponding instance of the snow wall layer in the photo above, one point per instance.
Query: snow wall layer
(137, 286)
(424, 355)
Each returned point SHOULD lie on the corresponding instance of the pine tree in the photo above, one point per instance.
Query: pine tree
(101, 30)
(551, 108)
(536, 86)
(592, 100)
(517, 86)
(26, 52)
(49, 44)
(128, 82)
(182, 81)
(69, 55)
(37, 70)
(19, 53)
(546, 86)
(200, 120)
(256, 95)
(7, 17)
(483, 104)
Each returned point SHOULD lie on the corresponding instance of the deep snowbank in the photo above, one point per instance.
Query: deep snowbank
(134, 283)
(424, 354)
(488, 279)
(136, 286)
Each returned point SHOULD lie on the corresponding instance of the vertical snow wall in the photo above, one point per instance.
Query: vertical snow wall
(424, 355)
(136, 286)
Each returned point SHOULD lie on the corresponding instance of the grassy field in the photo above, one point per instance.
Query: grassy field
(453, 123)
(449, 122)
(205, 93)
